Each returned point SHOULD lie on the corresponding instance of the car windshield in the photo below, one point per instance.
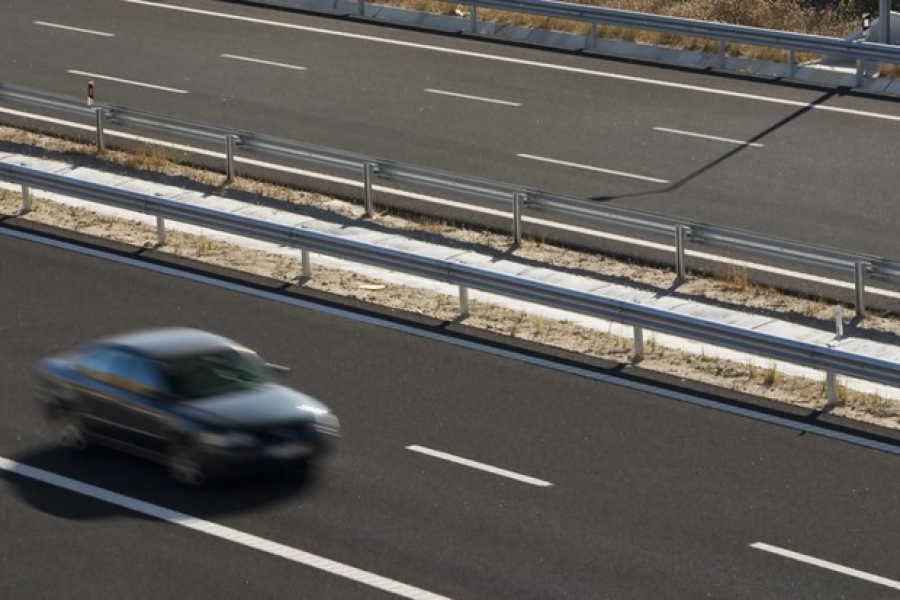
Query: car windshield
(204, 375)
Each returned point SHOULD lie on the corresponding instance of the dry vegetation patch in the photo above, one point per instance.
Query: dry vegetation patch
(834, 19)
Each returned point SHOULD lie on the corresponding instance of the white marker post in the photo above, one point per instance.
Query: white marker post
(90, 94)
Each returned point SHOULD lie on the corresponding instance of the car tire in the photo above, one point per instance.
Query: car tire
(184, 465)
(69, 428)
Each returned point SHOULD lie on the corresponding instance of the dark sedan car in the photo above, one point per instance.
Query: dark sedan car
(203, 405)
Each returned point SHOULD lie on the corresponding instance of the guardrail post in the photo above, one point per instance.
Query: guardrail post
(591, 42)
(839, 321)
(473, 18)
(361, 7)
(306, 264)
(518, 203)
(680, 237)
(860, 72)
(229, 158)
(463, 301)
(100, 119)
(26, 199)
(792, 63)
(638, 355)
(368, 173)
(884, 17)
(831, 394)
(160, 231)
(861, 269)
(721, 55)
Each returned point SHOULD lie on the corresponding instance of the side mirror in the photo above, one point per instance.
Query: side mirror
(278, 370)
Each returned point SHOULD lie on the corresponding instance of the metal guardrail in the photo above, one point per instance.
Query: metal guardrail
(852, 266)
(859, 51)
(823, 358)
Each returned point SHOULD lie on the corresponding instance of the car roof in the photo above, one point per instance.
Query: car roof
(170, 342)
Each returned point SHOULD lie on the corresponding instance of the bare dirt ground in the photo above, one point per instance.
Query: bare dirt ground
(758, 379)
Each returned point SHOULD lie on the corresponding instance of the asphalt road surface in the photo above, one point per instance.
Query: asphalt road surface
(804, 163)
(462, 473)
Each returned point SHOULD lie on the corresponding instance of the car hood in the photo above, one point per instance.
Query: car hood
(263, 405)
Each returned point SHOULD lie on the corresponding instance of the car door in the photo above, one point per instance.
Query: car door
(142, 410)
(94, 393)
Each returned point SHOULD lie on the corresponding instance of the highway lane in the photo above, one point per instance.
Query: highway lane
(608, 129)
(649, 496)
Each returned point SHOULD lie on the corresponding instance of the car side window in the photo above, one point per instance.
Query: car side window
(137, 374)
(96, 363)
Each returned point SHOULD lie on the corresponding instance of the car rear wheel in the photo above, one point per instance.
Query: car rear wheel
(70, 429)
(184, 465)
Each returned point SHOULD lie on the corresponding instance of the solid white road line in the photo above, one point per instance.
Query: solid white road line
(78, 29)
(263, 62)
(591, 168)
(519, 61)
(708, 137)
(481, 466)
(127, 81)
(468, 97)
(219, 531)
(824, 564)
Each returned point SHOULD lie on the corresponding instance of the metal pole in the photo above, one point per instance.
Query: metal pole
(518, 203)
(860, 285)
(101, 140)
(638, 345)
(463, 301)
(368, 172)
(680, 236)
(721, 55)
(306, 264)
(229, 158)
(839, 321)
(160, 231)
(792, 63)
(831, 389)
(592, 37)
(26, 199)
(474, 19)
(361, 7)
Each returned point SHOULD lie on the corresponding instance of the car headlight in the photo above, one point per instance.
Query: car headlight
(227, 439)
(327, 423)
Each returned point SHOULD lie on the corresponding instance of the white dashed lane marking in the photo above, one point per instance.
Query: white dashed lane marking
(824, 564)
(708, 137)
(468, 97)
(127, 81)
(75, 29)
(480, 466)
(260, 61)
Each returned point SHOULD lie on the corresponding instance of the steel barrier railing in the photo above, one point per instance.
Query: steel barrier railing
(854, 267)
(831, 360)
(861, 51)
